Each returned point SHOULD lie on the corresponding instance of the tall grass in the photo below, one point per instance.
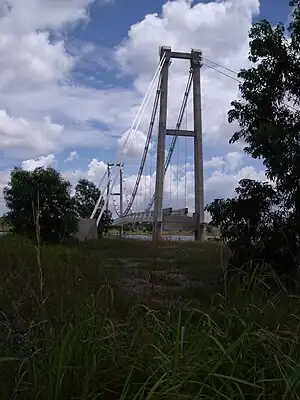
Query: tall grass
(93, 342)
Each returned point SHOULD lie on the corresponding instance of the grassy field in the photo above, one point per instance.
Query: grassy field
(133, 320)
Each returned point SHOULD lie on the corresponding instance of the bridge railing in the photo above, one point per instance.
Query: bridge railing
(147, 216)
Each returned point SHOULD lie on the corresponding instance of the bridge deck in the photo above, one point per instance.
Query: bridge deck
(172, 219)
(147, 216)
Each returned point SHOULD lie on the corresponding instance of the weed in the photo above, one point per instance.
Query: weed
(94, 339)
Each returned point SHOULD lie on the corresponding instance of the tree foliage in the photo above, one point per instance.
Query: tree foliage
(40, 199)
(263, 221)
(86, 196)
(255, 227)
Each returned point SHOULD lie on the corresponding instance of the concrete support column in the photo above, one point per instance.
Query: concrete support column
(161, 145)
(121, 196)
(196, 63)
(108, 185)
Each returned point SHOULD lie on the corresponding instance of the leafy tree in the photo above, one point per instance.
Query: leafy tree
(264, 220)
(40, 199)
(105, 222)
(3, 226)
(86, 196)
(255, 227)
(148, 226)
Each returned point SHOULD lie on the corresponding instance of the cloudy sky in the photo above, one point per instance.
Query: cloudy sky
(73, 73)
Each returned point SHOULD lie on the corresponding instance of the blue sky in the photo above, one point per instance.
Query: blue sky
(128, 12)
(74, 74)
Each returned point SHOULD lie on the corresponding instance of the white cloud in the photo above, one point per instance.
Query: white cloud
(222, 184)
(215, 163)
(33, 15)
(230, 162)
(36, 80)
(135, 146)
(19, 136)
(105, 2)
(226, 174)
(30, 61)
(213, 28)
(184, 25)
(72, 156)
(219, 29)
(43, 110)
(234, 160)
(94, 172)
(35, 72)
(43, 161)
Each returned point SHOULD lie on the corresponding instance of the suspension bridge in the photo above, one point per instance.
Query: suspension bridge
(135, 207)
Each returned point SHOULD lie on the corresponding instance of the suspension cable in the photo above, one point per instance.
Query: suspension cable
(174, 139)
(145, 184)
(130, 137)
(115, 206)
(151, 166)
(170, 173)
(126, 194)
(185, 162)
(239, 81)
(146, 148)
(177, 175)
(126, 198)
(178, 125)
(220, 65)
(100, 198)
(145, 100)
(223, 73)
